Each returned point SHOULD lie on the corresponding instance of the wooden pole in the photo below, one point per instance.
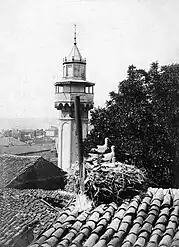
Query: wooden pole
(79, 141)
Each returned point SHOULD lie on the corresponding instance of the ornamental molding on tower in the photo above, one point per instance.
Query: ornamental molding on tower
(70, 105)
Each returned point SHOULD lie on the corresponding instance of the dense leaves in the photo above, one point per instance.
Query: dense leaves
(142, 121)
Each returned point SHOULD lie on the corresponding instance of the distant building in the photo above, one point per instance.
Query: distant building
(39, 133)
(47, 151)
(51, 132)
(26, 134)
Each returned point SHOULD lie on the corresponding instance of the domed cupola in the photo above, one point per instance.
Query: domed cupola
(75, 54)
(74, 66)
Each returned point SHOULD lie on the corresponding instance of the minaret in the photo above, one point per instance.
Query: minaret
(72, 84)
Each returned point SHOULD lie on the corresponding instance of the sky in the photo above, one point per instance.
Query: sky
(35, 35)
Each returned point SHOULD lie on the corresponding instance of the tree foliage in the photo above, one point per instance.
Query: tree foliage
(142, 121)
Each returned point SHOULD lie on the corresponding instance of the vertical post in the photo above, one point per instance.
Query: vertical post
(79, 141)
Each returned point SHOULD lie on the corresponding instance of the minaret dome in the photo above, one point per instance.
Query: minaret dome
(74, 66)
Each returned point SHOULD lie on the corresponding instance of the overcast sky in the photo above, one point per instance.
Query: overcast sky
(35, 35)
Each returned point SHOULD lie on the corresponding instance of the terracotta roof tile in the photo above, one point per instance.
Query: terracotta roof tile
(115, 224)
(41, 239)
(175, 243)
(141, 242)
(130, 239)
(117, 238)
(45, 245)
(164, 211)
(166, 201)
(58, 233)
(19, 210)
(159, 229)
(48, 233)
(155, 239)
(166, 241)
(35, 245)
(91, 240)
(148, 220)
(135, 228)
(52, 241)
(175, 211)
(107, 235)
(101, 243)
(100, 229)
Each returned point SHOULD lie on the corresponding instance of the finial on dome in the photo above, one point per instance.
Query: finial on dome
(75, 34)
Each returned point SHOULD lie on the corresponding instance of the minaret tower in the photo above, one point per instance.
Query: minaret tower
(72, 84)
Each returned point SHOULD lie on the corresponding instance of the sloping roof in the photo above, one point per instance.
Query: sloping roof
(24, 149)
(68, 81)
(11, 166)
(20, 209)
(42, 175)
(52, 128)
(3, 141)
(147, 220)
(74, 54)
(27, 130)
(14, 141)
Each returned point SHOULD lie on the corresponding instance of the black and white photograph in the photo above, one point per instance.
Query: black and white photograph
(89, 123)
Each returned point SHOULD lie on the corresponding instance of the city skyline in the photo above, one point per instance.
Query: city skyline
(111, 35)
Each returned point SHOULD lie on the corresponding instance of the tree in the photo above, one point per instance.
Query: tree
(142, 121)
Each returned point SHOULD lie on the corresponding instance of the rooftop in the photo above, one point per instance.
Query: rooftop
(67, 81)
(30, 172)
(17, 150)
(6, 141)
(74, 54)
(21, 209)
(11, 166)
(148, 220)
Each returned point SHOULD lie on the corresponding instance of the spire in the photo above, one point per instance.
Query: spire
(75, 34)
(75, 53)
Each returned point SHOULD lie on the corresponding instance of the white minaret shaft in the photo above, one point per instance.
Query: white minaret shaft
(72, 84)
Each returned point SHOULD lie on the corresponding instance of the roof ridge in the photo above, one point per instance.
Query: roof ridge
(24, 170)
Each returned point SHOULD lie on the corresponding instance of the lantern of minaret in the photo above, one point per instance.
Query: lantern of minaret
(72, 84)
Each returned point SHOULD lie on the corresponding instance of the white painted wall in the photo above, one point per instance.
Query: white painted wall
(66, 149)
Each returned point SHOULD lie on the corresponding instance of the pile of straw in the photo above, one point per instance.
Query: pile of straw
(106, 182)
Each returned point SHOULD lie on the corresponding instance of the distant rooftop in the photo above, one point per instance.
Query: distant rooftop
(21, 150)
(6, 141)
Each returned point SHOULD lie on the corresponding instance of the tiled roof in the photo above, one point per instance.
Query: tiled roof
(27, 172)
(150, 220)
(18, 210)
(11, 166)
